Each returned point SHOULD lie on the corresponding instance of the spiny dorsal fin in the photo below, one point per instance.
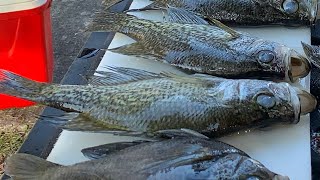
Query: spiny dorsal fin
(26, 166)
(226, 28)
(121, 75)
(178, 15)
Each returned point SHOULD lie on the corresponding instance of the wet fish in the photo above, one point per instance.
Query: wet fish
(245, 12)
(188, 158)
(313, 53)
(215, 50)
(141, 101)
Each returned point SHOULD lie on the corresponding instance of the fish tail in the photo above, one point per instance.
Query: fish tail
(26, 166)
(18, 86)
(111, 21)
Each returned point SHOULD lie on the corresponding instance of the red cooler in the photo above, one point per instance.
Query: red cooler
(25, 43)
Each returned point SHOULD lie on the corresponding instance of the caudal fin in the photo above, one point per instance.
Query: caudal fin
(26, 167)
(110, 21)
(15, 85)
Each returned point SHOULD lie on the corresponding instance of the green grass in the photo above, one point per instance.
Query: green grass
(15, 124)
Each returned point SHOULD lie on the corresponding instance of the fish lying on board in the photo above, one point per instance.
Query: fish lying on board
(244, 12)
(187, 158)
(141, 101)
(215, 50)
(313, 53)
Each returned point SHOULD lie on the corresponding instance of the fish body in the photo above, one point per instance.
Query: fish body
(201, 48)
(141, 101)
(246, 12)
(187, 158)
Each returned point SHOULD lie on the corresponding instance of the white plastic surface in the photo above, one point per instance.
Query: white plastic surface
(285, 150)
(7, 6)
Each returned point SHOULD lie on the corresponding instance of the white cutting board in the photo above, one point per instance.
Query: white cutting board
(284, 150)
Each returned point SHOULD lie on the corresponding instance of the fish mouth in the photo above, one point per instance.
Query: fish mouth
(297, 66)
(280, 177)
(303, 102)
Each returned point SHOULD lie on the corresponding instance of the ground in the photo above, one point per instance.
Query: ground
(69, 21)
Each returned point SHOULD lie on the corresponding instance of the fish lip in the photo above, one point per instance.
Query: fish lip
(292, 74)
(296, 104)
(303, 102)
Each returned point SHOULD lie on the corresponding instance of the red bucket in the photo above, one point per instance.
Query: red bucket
(25, 43)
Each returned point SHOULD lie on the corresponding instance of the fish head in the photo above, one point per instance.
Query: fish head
(313, 53)
(276, 102)
(236, 166)
(279, 60)
(294, 9)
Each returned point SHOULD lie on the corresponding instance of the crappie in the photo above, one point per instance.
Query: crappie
(313, 53)
(188, 158)
(245, 12)
(137, 100)
(215, 50)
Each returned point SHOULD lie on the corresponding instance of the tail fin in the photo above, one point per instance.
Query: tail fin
(25, 166)
(110, 21)
(15, 85)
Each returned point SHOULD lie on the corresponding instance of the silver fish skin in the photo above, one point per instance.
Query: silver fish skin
(215, 50)
(137, 100)
(245, 12)
(187, 158)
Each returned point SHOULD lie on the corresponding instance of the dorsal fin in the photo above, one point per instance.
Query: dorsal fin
(178, 15)
(121, 75)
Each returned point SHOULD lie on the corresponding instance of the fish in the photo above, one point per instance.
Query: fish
(313, 53)
(201, 48)
(129, 99)
(244, 12)
(182, 158)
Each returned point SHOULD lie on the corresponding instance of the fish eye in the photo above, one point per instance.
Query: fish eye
(253, 178)
(266, 56)
(267, 101)
(290, 6)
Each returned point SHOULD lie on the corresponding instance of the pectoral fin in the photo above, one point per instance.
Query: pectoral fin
(101, 151)
(121, 75)
(173, 133)
(137, 49)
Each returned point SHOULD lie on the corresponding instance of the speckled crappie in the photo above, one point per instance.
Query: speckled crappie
(137, 100)
(245, 12)
(215, 50)
(188, 158)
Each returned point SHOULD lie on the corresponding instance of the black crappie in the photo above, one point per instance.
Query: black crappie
(215, 50)
(245, 12)
(137, 100)
(187, 158)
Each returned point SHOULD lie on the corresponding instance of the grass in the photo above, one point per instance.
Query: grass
(15, 124)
